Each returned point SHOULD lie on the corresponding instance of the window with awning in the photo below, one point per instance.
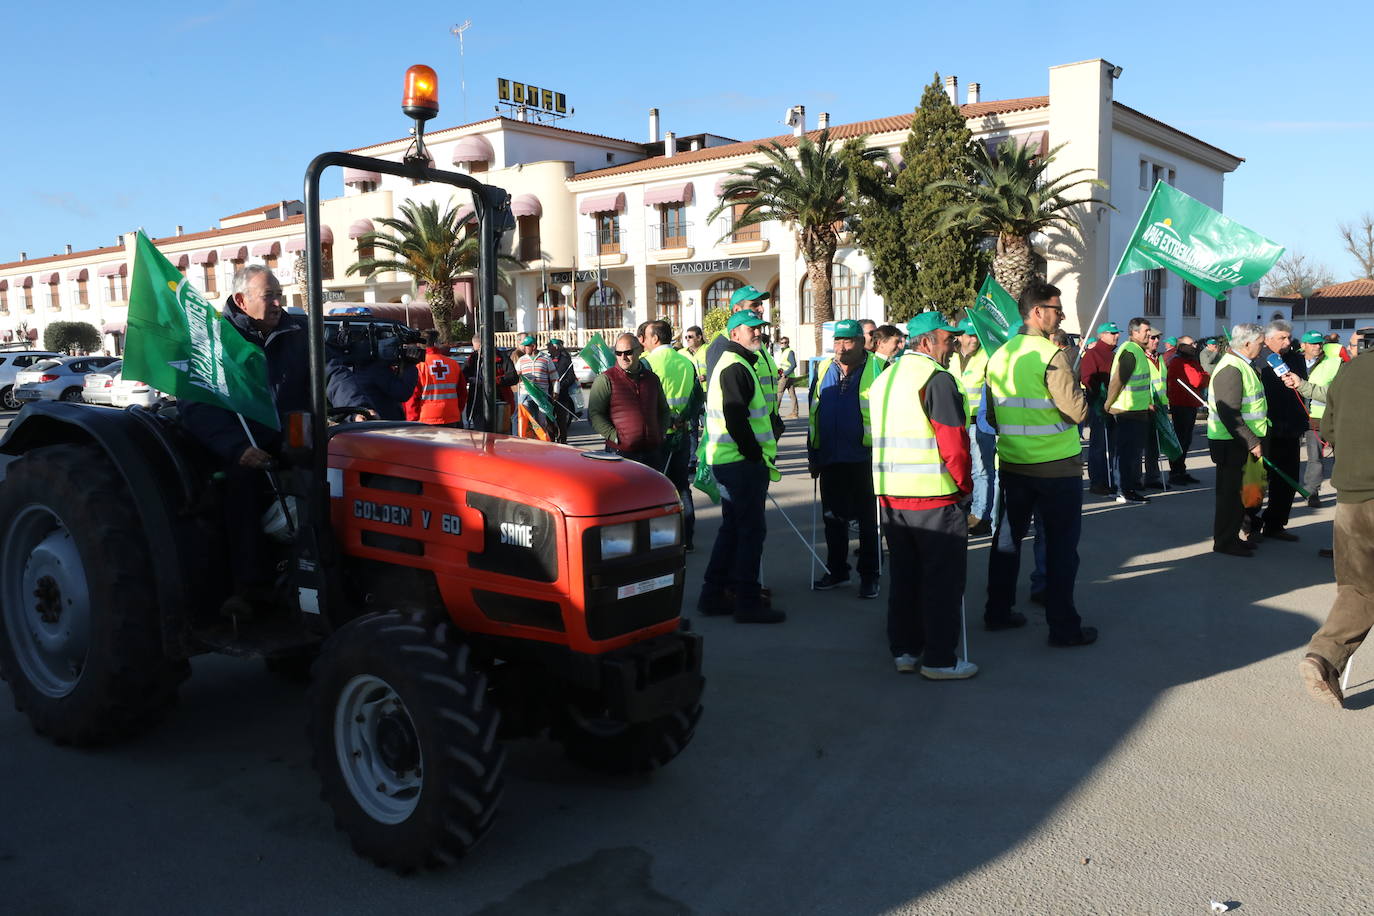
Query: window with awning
(611, 203)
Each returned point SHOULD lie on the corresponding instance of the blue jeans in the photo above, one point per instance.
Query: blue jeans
(738, 549)
(984, 449)
(1130, 451)
(1059, 503)
(1101, 431)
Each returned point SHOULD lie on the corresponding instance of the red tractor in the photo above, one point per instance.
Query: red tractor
(453, 588)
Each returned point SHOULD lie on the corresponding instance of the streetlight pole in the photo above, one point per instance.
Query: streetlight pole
(462, 63)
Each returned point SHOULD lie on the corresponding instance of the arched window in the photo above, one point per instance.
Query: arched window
(846, 290)
(718, 293)
(668, 304)
(552, 315)
(603, 308)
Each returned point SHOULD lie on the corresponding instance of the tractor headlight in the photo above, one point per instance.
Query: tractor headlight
(663, 531)
(617, 541)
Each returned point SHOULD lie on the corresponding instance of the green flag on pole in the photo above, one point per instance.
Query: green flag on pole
(539, 396)
(995, 316)
(1211, 251)
(597, 355)
(178, 343)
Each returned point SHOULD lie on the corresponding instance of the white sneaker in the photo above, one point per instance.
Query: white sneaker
(960, 670)
(906, 664)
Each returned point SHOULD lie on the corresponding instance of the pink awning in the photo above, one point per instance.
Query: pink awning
(361, 176)
(113, 270)
(475, 148)
(115, 326)
(4, 285)
(295, 244)
(26, 283)
(464, 212)
(49, 278)
(326, 235)
(359, 227)
(266, 249)
(78, 273)
(33, 333)
(614, 203)
(180, 261)
(205, 256)
(234, 253)
(669, 194)
(526, 205)
(1037, 141)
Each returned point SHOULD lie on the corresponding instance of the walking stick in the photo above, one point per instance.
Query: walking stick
(963, 625)
(814, 485)
(877, 514)
(801, 537)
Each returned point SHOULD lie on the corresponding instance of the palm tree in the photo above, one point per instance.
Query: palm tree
(431, 247)
(1010, 199)
(815, 192)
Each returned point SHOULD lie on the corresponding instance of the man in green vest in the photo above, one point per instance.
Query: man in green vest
(971, 364)
(1130, 400)
(1323, 360)
(787, 372)
(685, 402)
(838, 452)
(742, 451)
(1237, 423)
(1154, 480)
(921, 473)
(694, 348)
(1034, 402)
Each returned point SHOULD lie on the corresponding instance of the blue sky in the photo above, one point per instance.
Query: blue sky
(153, 114)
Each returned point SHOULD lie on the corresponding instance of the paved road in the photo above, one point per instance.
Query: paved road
(1175, 762)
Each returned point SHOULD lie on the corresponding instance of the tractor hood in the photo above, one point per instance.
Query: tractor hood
(579, 483)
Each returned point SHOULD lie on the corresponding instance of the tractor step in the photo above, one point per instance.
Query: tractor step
(262, 637)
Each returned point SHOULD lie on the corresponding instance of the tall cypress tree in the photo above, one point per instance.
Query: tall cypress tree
(947, 276)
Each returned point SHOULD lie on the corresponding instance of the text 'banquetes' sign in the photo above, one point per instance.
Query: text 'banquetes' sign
(720, 265)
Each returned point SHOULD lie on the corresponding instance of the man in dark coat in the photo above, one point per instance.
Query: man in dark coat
(1287, 428)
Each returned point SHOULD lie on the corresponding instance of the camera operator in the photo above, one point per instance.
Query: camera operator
(383, 364)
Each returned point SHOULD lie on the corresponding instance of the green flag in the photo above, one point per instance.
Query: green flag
(995, 316)
(597, 355)
(178, 343)
(539, 396)
(1211, 251)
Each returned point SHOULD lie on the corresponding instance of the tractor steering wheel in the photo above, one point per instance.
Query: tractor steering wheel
(346, 414)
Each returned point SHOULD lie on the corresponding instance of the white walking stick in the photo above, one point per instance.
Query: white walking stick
(801, 537)
(272, 479)
(877, 514)
(813, 532)
(963, 626)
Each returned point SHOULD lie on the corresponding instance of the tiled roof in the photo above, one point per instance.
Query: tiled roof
(1175, 130)
(837, 132)
(439, 135)
(263, 209)
(165, 240)
(1354, 297)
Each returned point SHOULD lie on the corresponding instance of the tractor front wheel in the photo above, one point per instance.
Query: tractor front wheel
(404, 739)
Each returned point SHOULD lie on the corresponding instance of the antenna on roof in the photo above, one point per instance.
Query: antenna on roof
(462, 63)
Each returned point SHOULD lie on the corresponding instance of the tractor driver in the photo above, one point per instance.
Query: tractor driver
(254, 310)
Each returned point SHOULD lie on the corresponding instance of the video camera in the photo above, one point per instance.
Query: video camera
(362, 342)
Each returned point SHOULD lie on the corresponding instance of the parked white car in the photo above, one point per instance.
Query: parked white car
(99, 385)
(12, 362)
(130, 391)
(59, 379)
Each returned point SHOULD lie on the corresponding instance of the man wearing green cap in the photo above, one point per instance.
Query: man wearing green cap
(1130, 400)
(1094, 370)
(1035, 404)
(1322, 362)
(921, 473)
(746, 298)
(972, 372)
(839, 453)
(539, 369)
(742, 451)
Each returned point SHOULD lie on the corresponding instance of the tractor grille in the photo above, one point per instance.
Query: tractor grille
(609, 616)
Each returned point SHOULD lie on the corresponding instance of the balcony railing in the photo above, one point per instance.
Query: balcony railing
(726, 232)
(603, 241)
(672, 235)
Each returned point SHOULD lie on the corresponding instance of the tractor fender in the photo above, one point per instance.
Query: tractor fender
(155, 475)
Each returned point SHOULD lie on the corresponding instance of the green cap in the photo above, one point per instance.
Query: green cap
(1108, 327)
(527, 340)
(1313, 337)
(966, 326)
(925, 322)
(746, 294)
(848, 328)
(745, 318)
(1171, 341)
(554, 341)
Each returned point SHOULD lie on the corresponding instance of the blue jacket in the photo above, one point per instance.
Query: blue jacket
(387, 385)
(287, 349)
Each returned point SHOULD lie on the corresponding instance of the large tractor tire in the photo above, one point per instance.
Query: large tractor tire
(80, 641)
(404, 739)
(619, 748)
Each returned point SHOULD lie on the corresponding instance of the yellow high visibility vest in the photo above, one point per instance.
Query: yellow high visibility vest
(971, 378)
(1030, 429)
(906, 456)
(720, 447)
(698, 361)
(1324, 373)
(677, 375)
(1254, 409)
(1135, 394)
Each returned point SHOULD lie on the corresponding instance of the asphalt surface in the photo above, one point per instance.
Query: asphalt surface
(1175, 762)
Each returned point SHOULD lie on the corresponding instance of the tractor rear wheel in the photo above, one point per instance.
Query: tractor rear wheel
(80, 640)
(404, 739)
(621, 748)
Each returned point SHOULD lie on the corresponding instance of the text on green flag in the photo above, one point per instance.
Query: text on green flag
(597, 355)
(994, 315)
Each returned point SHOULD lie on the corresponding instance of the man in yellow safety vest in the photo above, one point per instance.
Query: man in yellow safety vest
(1130, 400)
(1323, 360)
(1035, 404)
(972, 368)
(685, 399)
(1237, 424)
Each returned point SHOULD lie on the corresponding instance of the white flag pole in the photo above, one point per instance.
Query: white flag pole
(271, 478)
(1088, 329)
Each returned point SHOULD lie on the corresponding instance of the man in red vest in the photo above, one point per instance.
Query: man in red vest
(441, 391)
(627, 406)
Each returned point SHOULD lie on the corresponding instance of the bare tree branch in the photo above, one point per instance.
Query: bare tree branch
(1293, 273)
(1359, 241)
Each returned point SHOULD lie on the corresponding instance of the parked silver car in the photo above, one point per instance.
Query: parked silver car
(99, 386)
(57, 379)
(12, 362)
(131, 391)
